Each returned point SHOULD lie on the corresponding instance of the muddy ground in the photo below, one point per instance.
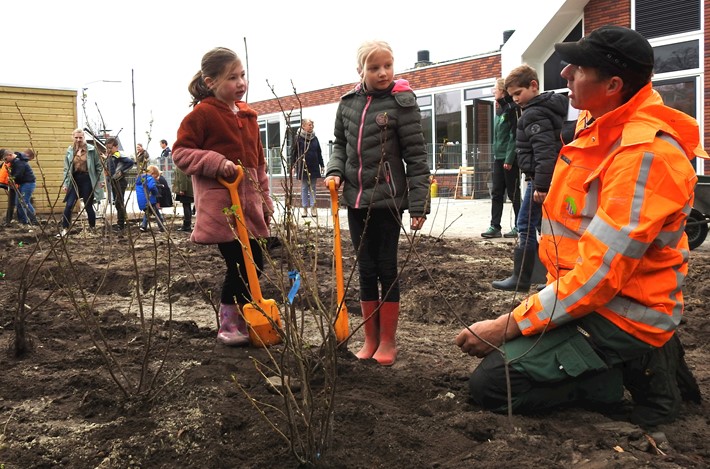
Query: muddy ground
(122, 369)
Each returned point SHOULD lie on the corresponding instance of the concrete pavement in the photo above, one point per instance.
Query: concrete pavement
(452, 217)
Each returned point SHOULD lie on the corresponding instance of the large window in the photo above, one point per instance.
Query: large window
(273, 147)
(427, 123)
(554, 65)
(676, 56)
(679, 94)
(447, 117)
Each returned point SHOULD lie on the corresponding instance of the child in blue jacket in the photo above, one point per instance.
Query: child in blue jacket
(147, 194)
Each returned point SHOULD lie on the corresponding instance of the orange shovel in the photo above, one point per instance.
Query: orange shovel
(341, 317)
(262, 315)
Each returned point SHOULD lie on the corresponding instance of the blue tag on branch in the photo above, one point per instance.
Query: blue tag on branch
(296, 285)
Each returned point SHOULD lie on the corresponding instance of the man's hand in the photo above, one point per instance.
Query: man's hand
(489, 334)
(539, 197)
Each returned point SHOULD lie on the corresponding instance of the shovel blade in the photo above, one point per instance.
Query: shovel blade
(262, 331)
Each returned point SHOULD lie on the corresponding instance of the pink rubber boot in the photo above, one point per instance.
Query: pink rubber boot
(371, 318)
(386, 353)
(229, 332)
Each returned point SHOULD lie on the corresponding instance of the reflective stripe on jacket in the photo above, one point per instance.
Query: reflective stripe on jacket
(614, 219)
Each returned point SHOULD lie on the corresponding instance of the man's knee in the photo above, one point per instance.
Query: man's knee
(487, 384)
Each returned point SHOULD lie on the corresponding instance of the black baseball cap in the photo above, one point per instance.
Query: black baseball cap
(614, 49)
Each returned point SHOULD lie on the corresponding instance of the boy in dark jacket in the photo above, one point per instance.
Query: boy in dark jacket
(537, 143)
(25, 183)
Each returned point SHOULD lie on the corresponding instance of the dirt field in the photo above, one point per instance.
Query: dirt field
(93, 390)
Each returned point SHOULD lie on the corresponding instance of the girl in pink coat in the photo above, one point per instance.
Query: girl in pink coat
(220, 133)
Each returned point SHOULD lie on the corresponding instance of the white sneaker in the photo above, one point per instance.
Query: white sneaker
(62, 233)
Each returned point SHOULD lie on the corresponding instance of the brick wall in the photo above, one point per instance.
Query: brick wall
(422, 78)
(598, 13)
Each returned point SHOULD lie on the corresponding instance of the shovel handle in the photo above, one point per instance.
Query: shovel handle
(252, 277)
(341, 320)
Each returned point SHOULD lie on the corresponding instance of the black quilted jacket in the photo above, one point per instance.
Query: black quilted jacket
(379, 150)
(537, 140)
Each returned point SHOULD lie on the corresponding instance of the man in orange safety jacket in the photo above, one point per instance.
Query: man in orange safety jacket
(615, 249)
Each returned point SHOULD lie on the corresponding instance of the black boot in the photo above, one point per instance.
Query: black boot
(655, 381)
(514, 282)
(539, 273)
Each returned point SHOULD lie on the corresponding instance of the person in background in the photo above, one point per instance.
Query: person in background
(9, 187)
(615, 249)
(506, 174)
(537, 143)
(24, 180)
(142, 157)
(148, 197)
(117, 166)
(83, 178)
(165, 152)
(379, 157)
(220, 133)
(307, 162)
(182, 186)
(165, 196)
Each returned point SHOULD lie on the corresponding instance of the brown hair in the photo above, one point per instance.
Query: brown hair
(522, 76)
(214, 64)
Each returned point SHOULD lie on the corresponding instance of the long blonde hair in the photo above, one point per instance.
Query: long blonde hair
(364, 52)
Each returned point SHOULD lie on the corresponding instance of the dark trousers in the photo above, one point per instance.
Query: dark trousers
(186, 215)
(375, 237)
(82, 183)
(11, 194)
(584, 361)
(236, 282)
(529, 220)
(504, 181)
(119, 190)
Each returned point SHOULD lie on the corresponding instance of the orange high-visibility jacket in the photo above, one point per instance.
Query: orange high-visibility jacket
(613, 238)
(4, 175)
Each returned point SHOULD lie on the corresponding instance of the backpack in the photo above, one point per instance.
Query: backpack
(4, 176)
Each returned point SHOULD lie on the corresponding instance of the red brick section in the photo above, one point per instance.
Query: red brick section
(598, 13)
(428, 77)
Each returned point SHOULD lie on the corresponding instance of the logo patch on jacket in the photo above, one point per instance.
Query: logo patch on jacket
(382, 119)
(570, 205)
(534, 129)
